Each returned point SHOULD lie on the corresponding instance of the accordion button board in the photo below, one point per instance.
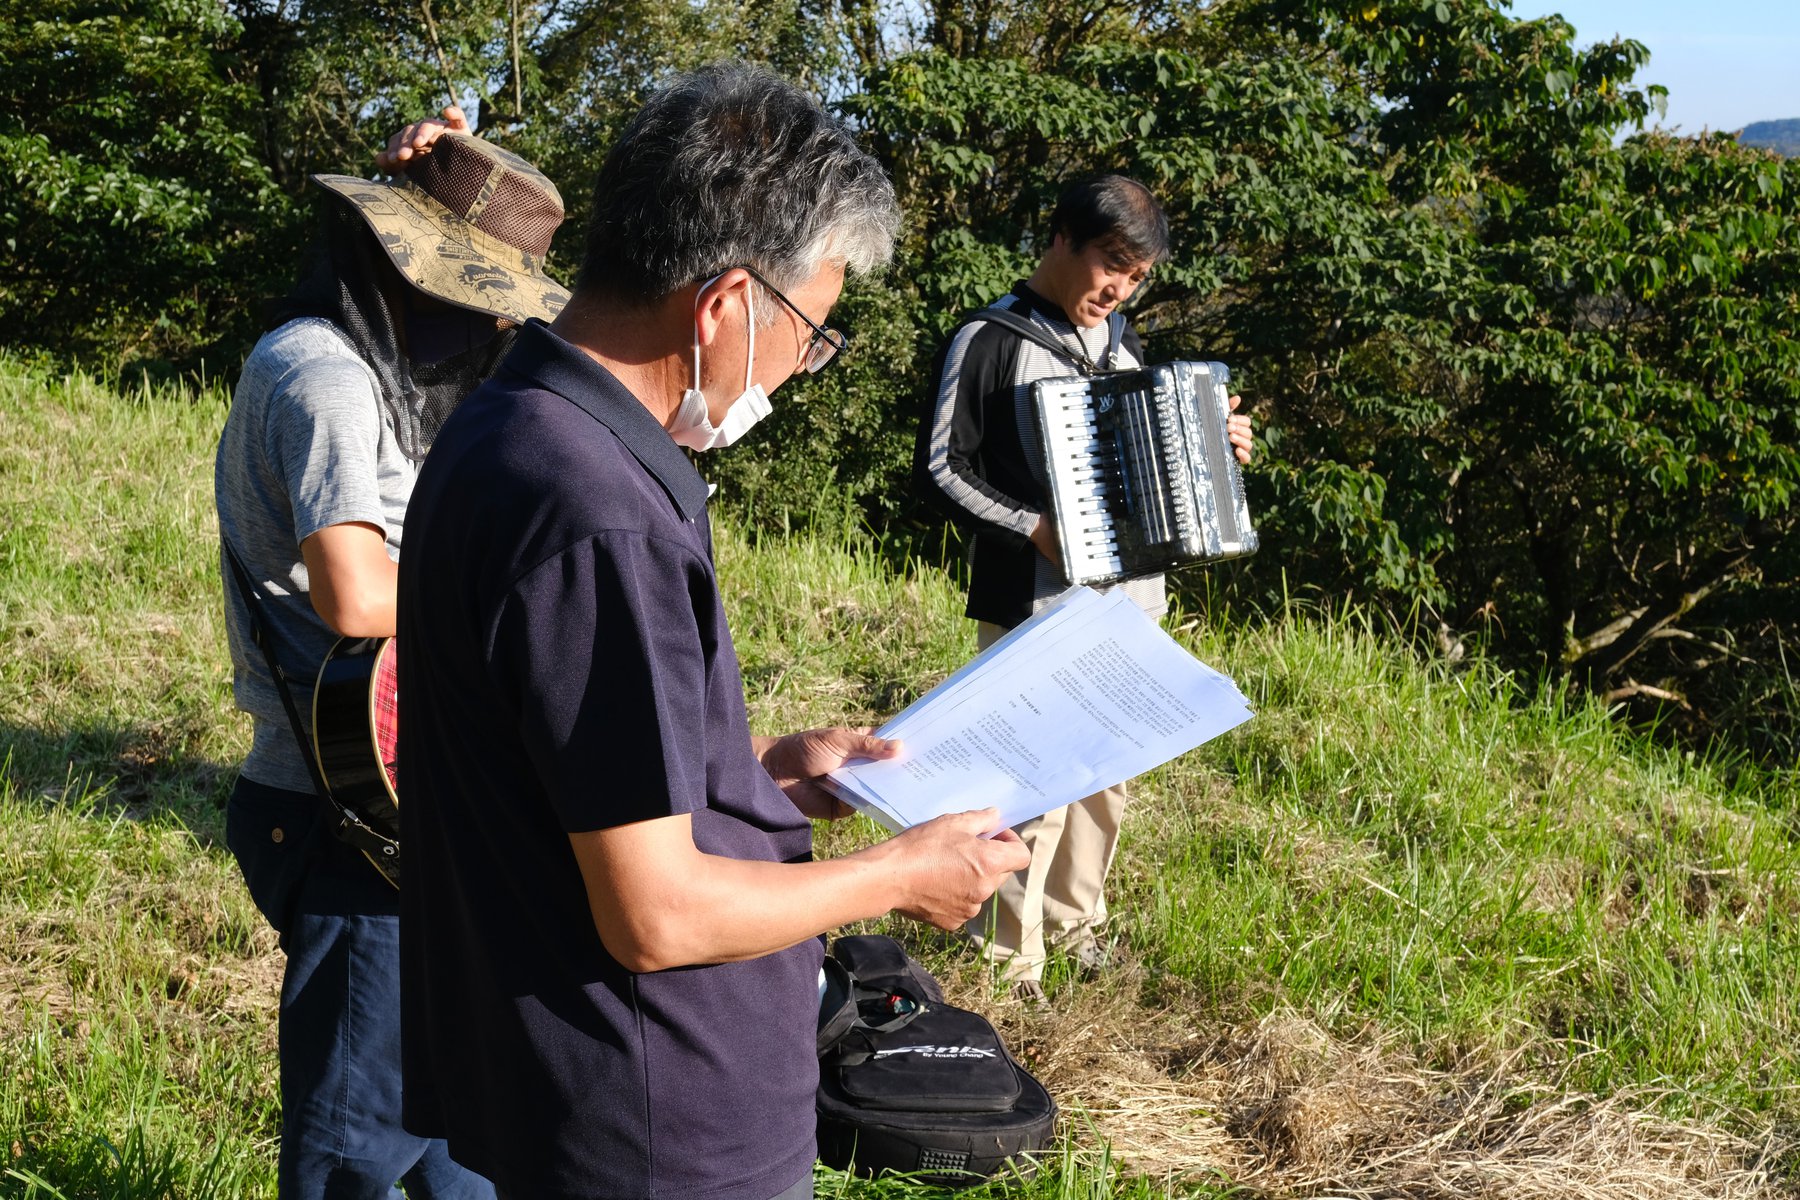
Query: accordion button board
(1142, 475)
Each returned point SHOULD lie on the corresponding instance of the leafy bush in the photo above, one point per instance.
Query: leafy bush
(1534, 384)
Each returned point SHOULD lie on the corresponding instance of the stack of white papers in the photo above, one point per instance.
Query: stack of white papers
(1086, 694)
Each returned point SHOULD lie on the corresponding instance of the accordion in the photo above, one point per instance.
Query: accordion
(1141, 470)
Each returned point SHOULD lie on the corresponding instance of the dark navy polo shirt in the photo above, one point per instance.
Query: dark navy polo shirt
(564, 667)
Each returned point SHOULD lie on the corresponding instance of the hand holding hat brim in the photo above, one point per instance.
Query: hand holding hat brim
(446, 257)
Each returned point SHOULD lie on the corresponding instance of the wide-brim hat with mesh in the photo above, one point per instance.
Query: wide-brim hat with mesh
(468, 223)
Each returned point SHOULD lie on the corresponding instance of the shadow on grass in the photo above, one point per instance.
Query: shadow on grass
(140, 771)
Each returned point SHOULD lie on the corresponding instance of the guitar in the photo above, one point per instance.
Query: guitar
(355, 728)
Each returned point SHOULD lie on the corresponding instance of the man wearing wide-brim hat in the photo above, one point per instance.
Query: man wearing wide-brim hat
(416, 286)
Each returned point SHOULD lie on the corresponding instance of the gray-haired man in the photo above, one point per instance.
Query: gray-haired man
(609, 927)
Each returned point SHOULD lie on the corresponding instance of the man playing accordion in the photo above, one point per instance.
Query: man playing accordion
(979, 459)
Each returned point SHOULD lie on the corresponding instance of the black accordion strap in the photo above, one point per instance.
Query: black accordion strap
(1115, 335)
(1032, 332)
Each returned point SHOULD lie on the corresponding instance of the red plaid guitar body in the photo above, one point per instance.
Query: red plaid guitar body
(355, 728)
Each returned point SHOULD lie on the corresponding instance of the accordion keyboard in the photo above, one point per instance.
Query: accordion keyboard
(1142, 474)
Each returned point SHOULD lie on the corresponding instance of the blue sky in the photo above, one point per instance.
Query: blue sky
(1726, 63)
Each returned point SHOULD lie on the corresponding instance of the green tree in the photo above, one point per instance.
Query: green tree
(164, 195)
(1535, 383)
(135, 198)
(1574, 388)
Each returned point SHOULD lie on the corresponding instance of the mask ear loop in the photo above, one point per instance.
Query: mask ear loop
(750, 315)
(697, 296)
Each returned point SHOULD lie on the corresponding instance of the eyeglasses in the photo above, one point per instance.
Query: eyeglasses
(824, 343)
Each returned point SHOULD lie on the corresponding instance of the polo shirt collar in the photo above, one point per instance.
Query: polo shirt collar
(542, 358)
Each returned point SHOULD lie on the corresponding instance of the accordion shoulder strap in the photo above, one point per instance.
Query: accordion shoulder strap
(1028, 329)
(1115, 334)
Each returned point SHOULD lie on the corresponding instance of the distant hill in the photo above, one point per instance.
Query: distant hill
(1783, 137)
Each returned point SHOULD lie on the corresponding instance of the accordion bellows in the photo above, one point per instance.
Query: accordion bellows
(1142, 475)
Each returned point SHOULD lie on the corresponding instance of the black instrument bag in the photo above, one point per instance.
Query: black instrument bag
(910, 1084)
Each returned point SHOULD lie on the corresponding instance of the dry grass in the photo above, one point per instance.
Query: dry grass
(1281, 1107)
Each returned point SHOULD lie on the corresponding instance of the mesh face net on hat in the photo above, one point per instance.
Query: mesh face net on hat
(468, 224)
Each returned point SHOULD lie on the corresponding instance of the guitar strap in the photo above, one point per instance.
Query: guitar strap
(382, 851)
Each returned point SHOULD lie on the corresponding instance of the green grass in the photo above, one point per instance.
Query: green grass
(1421, 847)
(111, 659)
(1414, 860)
(1428, 850)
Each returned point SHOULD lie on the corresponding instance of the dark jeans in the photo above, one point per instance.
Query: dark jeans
(340, 1009)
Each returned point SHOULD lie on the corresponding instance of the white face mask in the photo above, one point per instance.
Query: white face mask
(693, 425)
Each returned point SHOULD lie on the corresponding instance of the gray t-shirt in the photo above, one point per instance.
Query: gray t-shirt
(307, 445)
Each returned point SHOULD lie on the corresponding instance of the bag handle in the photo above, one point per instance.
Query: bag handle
(851, 1010)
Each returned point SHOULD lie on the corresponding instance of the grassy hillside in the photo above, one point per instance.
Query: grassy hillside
(1405, 933)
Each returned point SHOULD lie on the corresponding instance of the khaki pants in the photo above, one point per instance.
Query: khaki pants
(1058, 899)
